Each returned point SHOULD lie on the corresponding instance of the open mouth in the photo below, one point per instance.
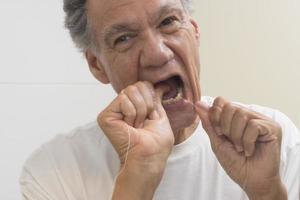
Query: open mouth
(175, 93)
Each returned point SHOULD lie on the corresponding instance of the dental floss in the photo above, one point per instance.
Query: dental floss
(127, 150)
(126, 155)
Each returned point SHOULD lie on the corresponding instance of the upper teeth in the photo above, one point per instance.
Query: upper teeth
(175, 99)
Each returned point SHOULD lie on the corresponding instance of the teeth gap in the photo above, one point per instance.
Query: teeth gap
(175, 99)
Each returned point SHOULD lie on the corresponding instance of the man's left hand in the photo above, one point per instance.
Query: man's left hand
(247, 145)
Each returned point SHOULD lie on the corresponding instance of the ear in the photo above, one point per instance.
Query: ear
(96, 67)
(196, 28)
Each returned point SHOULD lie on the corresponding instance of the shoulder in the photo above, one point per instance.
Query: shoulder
(68, 161)
(63, 146)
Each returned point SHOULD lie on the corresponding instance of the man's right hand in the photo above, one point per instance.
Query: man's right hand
(137, 114)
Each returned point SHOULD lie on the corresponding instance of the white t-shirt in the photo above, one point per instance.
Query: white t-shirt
(82, 165)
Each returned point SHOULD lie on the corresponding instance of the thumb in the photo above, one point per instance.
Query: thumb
(160, 90)
(203, 111)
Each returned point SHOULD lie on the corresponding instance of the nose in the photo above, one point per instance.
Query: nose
(155, 52)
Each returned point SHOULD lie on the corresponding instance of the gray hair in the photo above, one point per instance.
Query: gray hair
(77, 22)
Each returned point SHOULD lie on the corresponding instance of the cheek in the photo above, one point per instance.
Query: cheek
(123, 70)
(185, 45)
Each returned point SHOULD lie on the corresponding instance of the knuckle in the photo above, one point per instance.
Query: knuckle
(240, 113)
(219, 101)
(131, 89)
(150, 87)
(140, 103)
(252, 124)
(148, 84)
(142, 111)
(244, 117)
(102, 119)
(150, 106)
(140, 85)
(131, 113)
(229, 107)
(257, 127)
(122, 97)
(277, 126)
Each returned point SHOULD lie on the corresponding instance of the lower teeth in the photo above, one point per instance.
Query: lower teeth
(175, 99)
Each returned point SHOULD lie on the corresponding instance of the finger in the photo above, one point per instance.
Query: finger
(215, 140)
(154, 115)
(251, 134)
(226, 118)
(269, 131)
(220, 102)
(215, 117)
(203, 111)
(127, 109)
(147, 91)
(216, 111)
(239, 123)
(140, 106)
(159, 92)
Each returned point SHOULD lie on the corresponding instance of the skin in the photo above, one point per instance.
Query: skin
(155, 50)
(141, 42)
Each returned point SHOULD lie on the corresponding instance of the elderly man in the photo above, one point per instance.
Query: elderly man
(156, 139)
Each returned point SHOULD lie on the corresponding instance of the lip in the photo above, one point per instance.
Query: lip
(175, 106)
(164, 78)
(173, 68)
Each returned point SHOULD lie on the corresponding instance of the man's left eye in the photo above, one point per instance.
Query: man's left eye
(168, 21)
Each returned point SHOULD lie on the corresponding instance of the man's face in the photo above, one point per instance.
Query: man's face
(149, 40)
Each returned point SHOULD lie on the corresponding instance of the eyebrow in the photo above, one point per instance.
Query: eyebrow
(117, 29)
(133, 27)
(166, 9)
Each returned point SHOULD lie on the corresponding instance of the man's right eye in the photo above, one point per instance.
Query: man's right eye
(122, 39)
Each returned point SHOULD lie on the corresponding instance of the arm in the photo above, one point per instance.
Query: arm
(138, 128)
(277, 192)
(137, 183)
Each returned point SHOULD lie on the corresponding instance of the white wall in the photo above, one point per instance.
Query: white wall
(249, 52)
(45, 85)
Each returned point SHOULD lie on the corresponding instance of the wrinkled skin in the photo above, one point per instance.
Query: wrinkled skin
(151, 52)
(142, 42)
(247, 145)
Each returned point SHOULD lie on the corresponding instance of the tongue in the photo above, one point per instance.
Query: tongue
(172, 92)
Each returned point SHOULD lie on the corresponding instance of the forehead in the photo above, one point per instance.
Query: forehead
(105, 13)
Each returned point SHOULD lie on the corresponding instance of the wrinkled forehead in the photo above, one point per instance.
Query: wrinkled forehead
(106, 13)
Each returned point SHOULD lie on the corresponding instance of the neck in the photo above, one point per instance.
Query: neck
(182, 135)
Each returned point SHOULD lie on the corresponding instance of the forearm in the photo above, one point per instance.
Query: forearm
(137, 183)
(277, 192)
